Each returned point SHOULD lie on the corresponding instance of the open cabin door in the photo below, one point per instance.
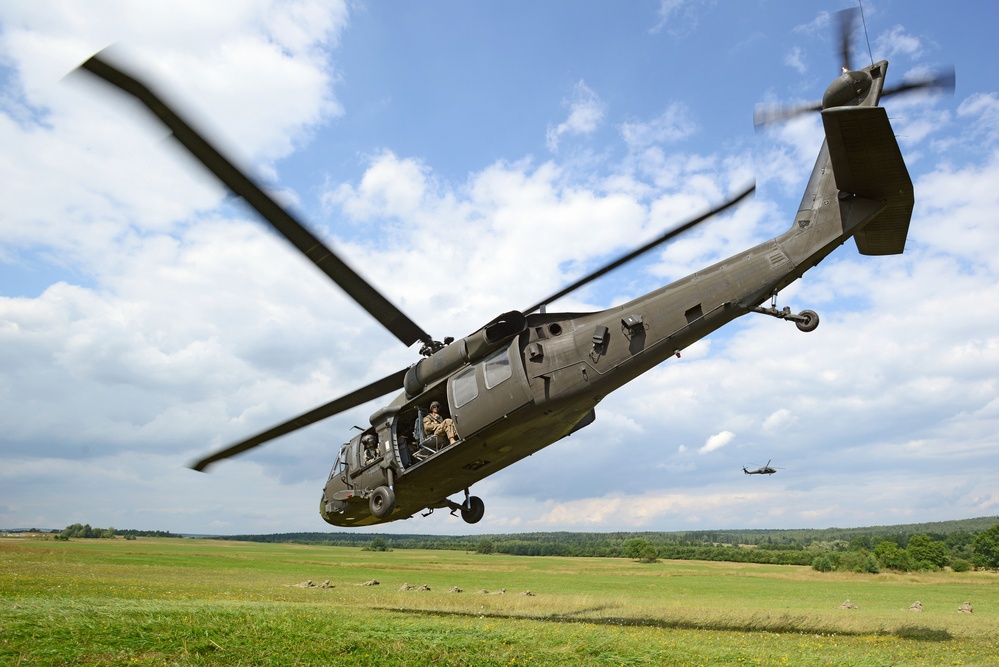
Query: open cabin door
(489, 390)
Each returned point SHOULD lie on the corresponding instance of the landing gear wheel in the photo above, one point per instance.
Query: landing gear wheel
(473, 509)
(382, 502)
(810, 322)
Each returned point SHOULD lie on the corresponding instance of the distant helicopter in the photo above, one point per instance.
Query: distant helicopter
(529, 378)
(762, 470)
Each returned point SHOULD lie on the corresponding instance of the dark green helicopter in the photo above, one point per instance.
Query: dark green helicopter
(529, 378)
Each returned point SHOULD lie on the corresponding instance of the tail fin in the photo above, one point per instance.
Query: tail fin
(867, 162)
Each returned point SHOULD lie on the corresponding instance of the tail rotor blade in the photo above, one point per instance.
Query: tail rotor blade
(943, 81)
(847, 19)
(766, 114)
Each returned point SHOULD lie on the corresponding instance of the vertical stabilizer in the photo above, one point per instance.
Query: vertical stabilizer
(867, 162)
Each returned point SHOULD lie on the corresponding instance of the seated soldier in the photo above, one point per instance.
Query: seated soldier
(435, 424)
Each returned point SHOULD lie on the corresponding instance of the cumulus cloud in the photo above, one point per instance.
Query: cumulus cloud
(586, 112)
(983, 110)
(674, 124)
(795, 60)
(716, 442)
(898, 41)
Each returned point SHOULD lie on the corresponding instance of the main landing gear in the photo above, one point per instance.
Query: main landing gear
(806, 320)
(472, 510)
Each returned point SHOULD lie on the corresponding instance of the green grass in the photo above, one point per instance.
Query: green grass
(158, 601)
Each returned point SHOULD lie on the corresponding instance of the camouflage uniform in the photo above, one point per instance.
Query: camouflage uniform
(434, 424)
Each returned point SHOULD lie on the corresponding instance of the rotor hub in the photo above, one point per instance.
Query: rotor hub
(848, 89)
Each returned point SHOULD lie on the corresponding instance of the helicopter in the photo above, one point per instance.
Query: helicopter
(529, 378)
(762, 470)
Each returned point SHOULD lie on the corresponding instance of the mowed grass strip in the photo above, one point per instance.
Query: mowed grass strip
(203, 602)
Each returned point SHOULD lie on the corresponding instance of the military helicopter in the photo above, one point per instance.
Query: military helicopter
(528, 378)
(762, 470)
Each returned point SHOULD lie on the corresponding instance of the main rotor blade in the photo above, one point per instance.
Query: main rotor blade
(356, 287)
(624, 259)
(374, 390)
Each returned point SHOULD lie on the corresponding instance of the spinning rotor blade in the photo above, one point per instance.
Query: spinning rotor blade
(943, 80)
(281, 220)
(644, 249)
(363, 395)
(847, 19)
(765, 114)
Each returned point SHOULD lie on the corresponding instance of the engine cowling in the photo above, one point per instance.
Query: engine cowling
(463, 351)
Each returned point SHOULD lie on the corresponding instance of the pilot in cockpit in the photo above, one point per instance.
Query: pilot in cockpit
(370, 443)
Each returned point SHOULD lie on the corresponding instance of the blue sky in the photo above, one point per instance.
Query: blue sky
(469, 159)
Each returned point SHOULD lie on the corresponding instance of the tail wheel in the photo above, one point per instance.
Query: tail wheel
(811, 320)
(473, 509)
(382, 502)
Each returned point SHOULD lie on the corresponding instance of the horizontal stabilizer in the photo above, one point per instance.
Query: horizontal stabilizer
(867, 162)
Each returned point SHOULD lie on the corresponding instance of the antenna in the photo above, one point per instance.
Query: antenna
(866, 35)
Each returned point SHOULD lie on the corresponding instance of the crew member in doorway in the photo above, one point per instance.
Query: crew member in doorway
(435, 424)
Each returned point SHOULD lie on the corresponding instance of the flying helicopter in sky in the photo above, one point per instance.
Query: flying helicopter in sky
(530, 377)
(762, 470)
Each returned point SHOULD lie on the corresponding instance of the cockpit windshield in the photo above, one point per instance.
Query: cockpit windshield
(341, 462)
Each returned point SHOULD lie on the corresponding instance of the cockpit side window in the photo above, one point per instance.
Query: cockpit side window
(496, 368)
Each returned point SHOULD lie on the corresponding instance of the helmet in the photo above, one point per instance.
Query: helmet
(435, 404)
(369, 440)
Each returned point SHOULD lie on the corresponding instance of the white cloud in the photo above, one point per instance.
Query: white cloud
(586, 112)
(897, 41)
(639, 512)
(716, 442)
(674, 124)
(677, 18)
(795, 60)
(983, 108)
(778, 419)
(817, 27)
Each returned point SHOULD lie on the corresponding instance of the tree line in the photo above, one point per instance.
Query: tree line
(959, 545)
(85, 531)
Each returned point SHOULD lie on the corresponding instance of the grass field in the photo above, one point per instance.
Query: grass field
(201, 602)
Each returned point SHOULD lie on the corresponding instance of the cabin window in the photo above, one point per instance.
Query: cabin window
(497, 368)
(463, 387)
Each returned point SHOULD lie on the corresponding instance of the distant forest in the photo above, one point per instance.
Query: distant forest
(85, 531)
(960, 545)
